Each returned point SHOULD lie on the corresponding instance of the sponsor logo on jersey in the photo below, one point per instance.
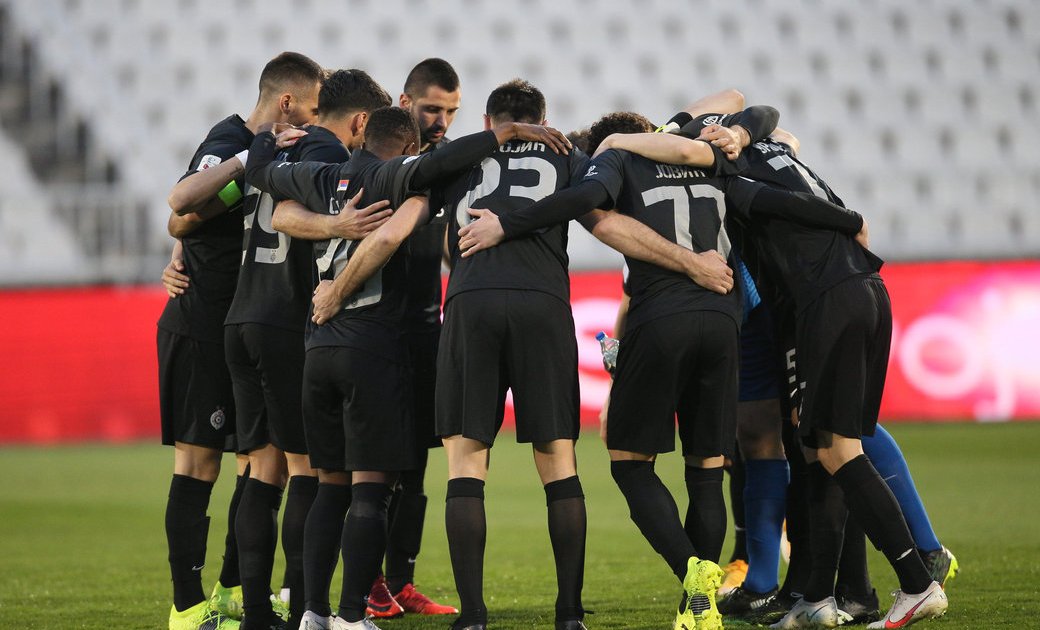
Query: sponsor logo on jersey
(343, 183)
(711, 120)
(218, 418)
(208, 161)
(411, 158)
(591, 172)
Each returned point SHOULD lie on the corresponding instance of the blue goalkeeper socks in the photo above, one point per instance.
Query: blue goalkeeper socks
(884, 453)
(765, 502)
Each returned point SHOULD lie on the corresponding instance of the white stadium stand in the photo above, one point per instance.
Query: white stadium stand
(922, 115)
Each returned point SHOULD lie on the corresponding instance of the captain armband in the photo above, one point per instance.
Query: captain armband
(230, 194)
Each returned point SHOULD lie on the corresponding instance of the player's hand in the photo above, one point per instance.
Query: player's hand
(483, 233)
(710, 270)
(730, 141)
(794, 417)
(327, 302)
(353, 223)
(173, 278)
(863, 236)
(552, 138)
(288, 137)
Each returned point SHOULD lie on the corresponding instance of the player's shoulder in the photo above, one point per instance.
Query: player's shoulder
(226, 138)
(319, 145)
(230, 129)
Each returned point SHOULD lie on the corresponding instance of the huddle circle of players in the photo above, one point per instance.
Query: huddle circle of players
(304, 333)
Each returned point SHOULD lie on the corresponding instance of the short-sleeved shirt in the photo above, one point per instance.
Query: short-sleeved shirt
(685, 205)
(276, 279)
(212, 252)
(516, 176)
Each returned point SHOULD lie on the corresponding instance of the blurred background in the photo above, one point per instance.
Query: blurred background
(922, 115)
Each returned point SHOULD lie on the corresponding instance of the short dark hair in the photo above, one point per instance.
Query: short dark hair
(290, 70)
(580, 139)
(347, 91)
(618, 122)
(387, 125)
(432, 71)
(518, 101)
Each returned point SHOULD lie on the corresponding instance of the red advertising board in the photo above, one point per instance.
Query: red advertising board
(79, 364)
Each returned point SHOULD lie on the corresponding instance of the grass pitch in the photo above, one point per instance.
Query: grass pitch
(82, 542)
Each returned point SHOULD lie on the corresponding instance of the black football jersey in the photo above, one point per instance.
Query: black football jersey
(805, 260)
(211, 252)
(425, 247)
(685, 205)
(275, 282)
(370, 318)
(516, 176)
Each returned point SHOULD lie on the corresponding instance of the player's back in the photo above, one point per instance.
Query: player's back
(276, 278)
(516, 176)
(809, 260)
(685, 205)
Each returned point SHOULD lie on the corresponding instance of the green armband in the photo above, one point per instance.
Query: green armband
(231, 194)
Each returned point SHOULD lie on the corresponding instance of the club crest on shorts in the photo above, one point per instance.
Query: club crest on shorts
(218, 418)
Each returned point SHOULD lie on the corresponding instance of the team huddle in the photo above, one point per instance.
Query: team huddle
(304, 333)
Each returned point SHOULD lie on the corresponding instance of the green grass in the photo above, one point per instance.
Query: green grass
(82, 543)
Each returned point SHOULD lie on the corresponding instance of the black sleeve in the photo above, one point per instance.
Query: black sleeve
(310, 183)
(569, 203)
(759, 120)
(327, 152)
(460, 155)
(756, 199)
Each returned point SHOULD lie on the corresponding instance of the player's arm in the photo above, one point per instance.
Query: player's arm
(661, 147)
(788, 138)
(305, 182)
(727, 101)
(746, 127)
(636, 240)
(214, 185)
(369, 257)
(468, 151)
(173, 278)
(490, 229)
(755, 199)
(352, 223)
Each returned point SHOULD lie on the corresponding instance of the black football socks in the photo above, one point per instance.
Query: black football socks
(565, 503)
(322, 534)
(186, 528)
(363, 547)
(257, 531)
(874, 507)
(653, 510)
(229, 570)
(407, 516)
(466, 525)
(706, 514)
(827, 515)
(299, 498)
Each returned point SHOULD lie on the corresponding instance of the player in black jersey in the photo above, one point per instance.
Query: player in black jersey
(432, 94)
(346, 99)
(680, 350)
(356, 418)
(265, 352)
(817, 249)
(196, 401)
